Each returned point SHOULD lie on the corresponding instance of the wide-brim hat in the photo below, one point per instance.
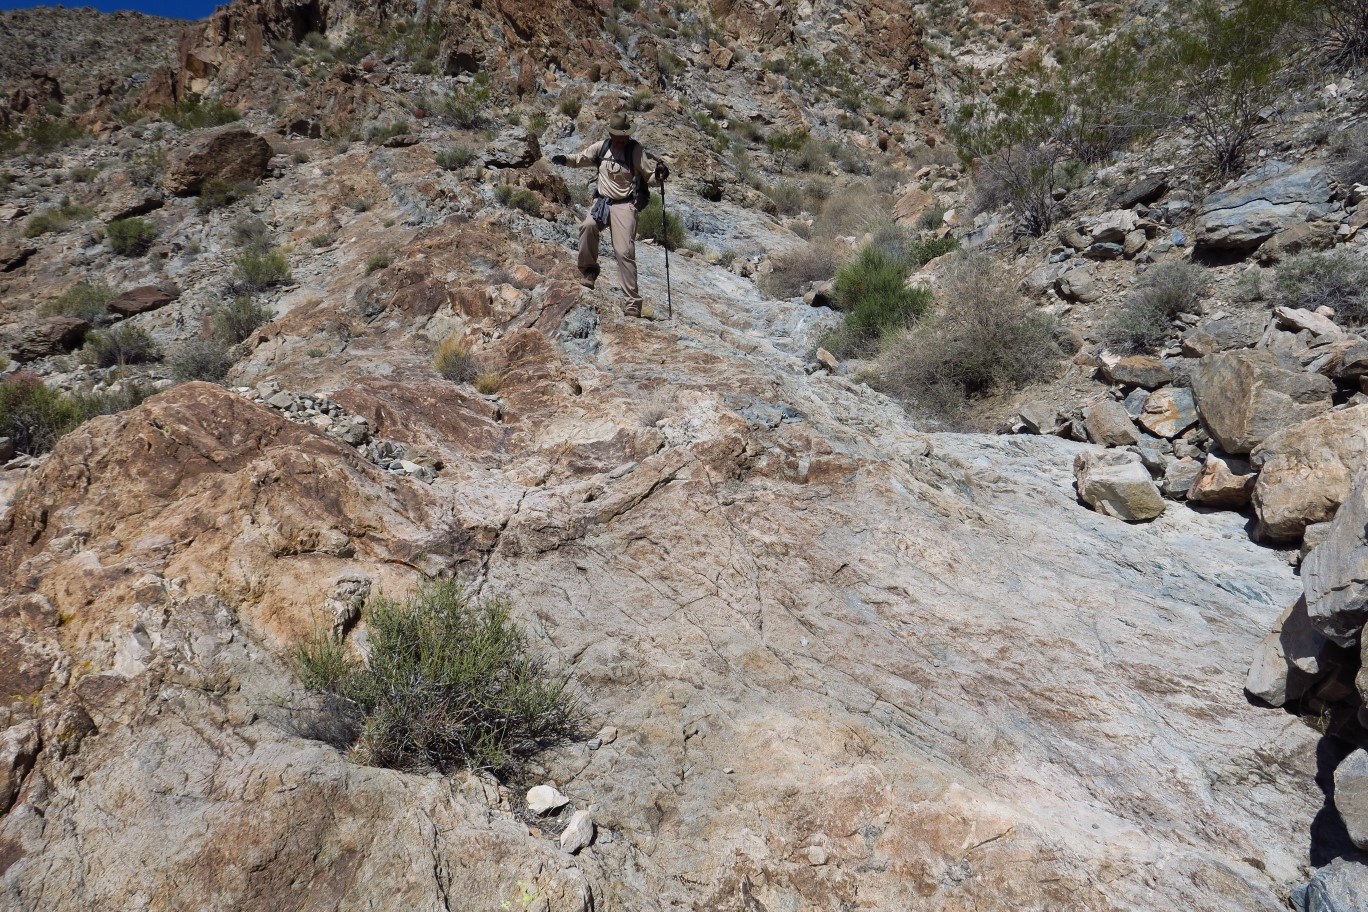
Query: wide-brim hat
(620, 125)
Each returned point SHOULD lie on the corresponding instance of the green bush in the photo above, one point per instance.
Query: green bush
(451, 159)
(570, 106)
(58, 218)
(378, 262)
(873, 292)
(35, 416)
(194, 113)
(85, 300)
(121, 344)
(454, 360)
(202, 359)
(130, 236)
(257, 270)
(450, 681)
(468, 106)
(217, 194)
(1145, 320)
(795, 270)
(251, 233)
(665, 227)
(236, 320)
(43, 134)
(784, 145)
(1338, 280)
(518, 198)
(983, 337)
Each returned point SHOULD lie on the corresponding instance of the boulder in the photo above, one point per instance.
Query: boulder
(140, 300)
(1288, 660)
(14, 255)
(1143, 193)
(53, 336)
(1340, 886)
(516, 147)
(1302, 236)
(1351, 796)
(19, 746)
(1168, 412)
(230, 156)
(1353, 361)
(1225, 484)
(1139, 370)
(1246, 396)
(1269, 199)
(1116, 483)
(1105, 251)
(911, 205)
(542, 799)
(1307, 470)
(1222, 334)
(578, 833)
(1107, 424)
(1297, 320)
(1078, 285)
(1335, 573)
(1178, 477)
(1112, 227)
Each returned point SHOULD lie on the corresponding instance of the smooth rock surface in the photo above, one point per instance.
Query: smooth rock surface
(1168, 412)
(1262, 203)
(1108, 424)
(1351, 796)
(229, 156)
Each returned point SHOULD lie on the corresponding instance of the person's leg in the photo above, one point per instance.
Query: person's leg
(588, 251)
(624, 224)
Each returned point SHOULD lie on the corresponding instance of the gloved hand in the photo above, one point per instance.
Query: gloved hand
(558, 159)
(662, 172)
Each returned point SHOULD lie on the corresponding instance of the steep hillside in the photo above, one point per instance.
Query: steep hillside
(298, 326)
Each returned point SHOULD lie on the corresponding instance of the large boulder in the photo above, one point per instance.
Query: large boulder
(53, 336)
(140, 300)
(1107, 423)
(1246, 396)
(1288, 660)
(18, 748)
(1168, 412)
(1222, 334)
(1306, 471)
(516, 147)
(230, 156)
(1335, 573)
(1116, 483)
(1340, 886)
(1269, 199)
(1138, 370)
(1351, 796)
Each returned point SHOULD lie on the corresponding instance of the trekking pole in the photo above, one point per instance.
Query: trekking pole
(665, 242)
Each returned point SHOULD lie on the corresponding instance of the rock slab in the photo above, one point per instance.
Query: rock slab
(1244, 397)
(230, 156)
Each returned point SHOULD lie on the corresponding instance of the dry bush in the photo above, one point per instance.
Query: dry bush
(454, 361)
(795, 270)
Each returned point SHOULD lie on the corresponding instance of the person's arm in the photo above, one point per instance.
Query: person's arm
(585, 159)
(650, 170)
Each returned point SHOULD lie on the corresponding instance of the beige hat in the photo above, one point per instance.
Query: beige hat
(620, 125)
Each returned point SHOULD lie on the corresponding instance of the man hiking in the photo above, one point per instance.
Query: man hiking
(623, 174)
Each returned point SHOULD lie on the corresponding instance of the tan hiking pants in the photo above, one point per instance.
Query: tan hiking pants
(622, 225)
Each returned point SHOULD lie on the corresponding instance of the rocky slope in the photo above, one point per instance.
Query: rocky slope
(830, 660)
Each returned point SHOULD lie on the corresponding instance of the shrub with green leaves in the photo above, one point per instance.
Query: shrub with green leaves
(259, 270)
(378, 262)
(450, 681)
(518, 198)
(131, 236)
(194, 113)
(207, 359)
(35, 416)
(451, 159)
(665, 228)
(570, 106)
(58, 218)
(784, 145)
(86, 300)
(121, 344)
(42, 134)
(1145, 320)
(218, 194)
(1338, 280)
(234, 321)
(250, 233)
(468, 105)
(873, 291)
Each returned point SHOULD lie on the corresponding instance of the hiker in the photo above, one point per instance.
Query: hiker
(621, 191)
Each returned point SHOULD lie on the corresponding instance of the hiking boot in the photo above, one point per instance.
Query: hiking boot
(588, 277)
(632, 310)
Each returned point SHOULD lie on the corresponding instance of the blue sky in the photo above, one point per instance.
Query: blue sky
(177, 9)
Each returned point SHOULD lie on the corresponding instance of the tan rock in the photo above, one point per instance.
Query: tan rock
(1116, 483)
(229, 156)
(1108, 424)
(1168, 412)
(1222, 485)
(1306, 471)
(1246, 396)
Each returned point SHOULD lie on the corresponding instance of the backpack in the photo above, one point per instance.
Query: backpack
(641, 194)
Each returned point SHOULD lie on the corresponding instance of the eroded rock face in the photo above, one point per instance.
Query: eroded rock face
(50, 336)
(1246, 396)
(228, 156)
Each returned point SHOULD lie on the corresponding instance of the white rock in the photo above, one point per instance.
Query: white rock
(544, 798)
(579, 833)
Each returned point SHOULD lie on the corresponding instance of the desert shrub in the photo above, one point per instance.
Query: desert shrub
(257, 271)
(468, 105)
(851, 211)
(518, 198)
(35, 416)
(784, 145)
(812, 156)
(85, 300)
(146, 166)
(873, 291)
(322, 239)
(981, 338)
(217, 194)
(250, 233)
(1339, 29)
(641, 100)
(1350, 149)
(42, 134)
(83, 175)
(1337, 280)
(194, 113)
(130, 236)
(454, 361)
(58, 218)
(799, 267)
(207, 359)
(488, 383)
(665, 227)
(377, 262)
(450, 681)
(1144, 321)
(931, 218)
(570, 106)
(788, 197)
(121, 344)
(235, 320)
(378, 133)
(451, 159)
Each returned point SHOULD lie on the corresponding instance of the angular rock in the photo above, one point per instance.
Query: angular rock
(1078, 285)
(1105, 251)
(1307, 470)
(1225, 484)
(1222, 334)
(1262, 203)
(7, 449)
(1115, 483)
(544, 798)
(1134, 243)
(14, 255)
(1351, 795)
(1297, 320)
(1178, 477)
(1244, 397)
(1112, 227)
(140, 300)
(1037, 417)
(1142, 193)
(230, 156)
(1340, 886)
(1299, 237)
(516, 147)
(1335, 573)
(579, 833)
(1353, 361)
(1134, 403)
(1168, 412)
(19, 746)
(912, 204)
(52, 336)
(1139, 370)
(1107, 424)
(1288, 660)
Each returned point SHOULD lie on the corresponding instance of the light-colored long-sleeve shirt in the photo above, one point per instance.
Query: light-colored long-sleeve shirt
(615, 181)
